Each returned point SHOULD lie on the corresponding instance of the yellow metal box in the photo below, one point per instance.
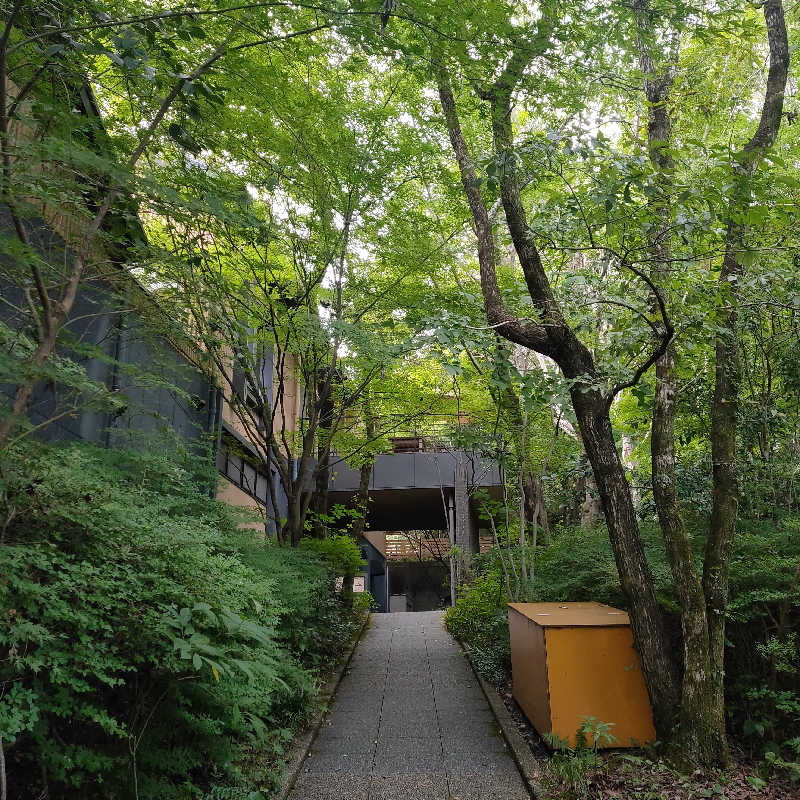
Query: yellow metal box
(575, 660)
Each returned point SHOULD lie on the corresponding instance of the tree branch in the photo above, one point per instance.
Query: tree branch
(529, 335)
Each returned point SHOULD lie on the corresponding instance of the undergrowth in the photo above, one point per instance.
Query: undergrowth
(150, 648)
(763, 689)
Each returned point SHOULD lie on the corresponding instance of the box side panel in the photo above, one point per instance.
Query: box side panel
(529, 670)
(595, 672)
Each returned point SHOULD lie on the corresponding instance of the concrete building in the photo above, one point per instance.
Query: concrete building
(423, 504)
(118, 333)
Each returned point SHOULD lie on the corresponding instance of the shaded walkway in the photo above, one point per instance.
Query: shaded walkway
(409, 721)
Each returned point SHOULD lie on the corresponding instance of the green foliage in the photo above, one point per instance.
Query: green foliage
(148, 643)
(307, 169)
(341, 552)
(570, 766)
(771, 726)
(479, 619)
(579, 566)
(593, 733)
(364, 602)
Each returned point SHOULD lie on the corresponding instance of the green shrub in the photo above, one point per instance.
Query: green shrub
(341, 552)
(148, 644)
(763, 687)
(479, 620)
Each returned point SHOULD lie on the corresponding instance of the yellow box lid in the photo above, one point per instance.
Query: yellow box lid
(571, 615)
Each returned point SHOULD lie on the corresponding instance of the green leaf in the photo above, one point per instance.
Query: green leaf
(182, 137)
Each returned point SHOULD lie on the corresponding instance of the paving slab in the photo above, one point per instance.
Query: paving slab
(468, 746)
(331, 787)
(346, 721)
(490, 787)
(455, 696)
(420, 787)
(346, 760)
(409, 722)
(409, 757)
(333, 740)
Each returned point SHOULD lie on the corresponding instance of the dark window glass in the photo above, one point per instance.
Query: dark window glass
(249, 479)
(235, 469)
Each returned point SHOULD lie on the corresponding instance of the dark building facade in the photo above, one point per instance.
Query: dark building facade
(124, 342)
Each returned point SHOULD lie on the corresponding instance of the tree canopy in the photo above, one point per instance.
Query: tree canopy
(569, 230)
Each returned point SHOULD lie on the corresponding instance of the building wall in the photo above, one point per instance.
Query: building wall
(163, 391)
(243, 470)
(228, 493)
(287, 414)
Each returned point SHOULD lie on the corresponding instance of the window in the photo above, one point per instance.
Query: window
(249, 479)
(234, 470)
(252, 374)
(242, 474)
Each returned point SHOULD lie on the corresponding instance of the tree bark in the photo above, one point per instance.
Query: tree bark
(551, 336)
(362, 501)
(534, 505)
(322, 473)
(699, 738)
(634, 571)
(534, 511)
(58, 312)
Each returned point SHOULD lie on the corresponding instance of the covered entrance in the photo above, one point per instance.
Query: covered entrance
(421, 504)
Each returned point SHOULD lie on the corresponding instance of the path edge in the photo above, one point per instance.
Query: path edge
(525, 760)
(302, 744)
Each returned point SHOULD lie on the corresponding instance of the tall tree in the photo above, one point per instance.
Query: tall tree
(700, 731)
(552, 336)
(700, 735)
(724, 414)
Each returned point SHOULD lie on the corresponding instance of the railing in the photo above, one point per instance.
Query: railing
(412, 549)
(428, 433)
(407, 547)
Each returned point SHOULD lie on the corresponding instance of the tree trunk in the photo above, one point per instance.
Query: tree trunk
(534, 511)
(634, 571)
(554, 338)
(322, 473)
(319, 503)
(534, 506)
(728, 366)
(362, 501)
(699, 738)
(627, 447)
(590, 508)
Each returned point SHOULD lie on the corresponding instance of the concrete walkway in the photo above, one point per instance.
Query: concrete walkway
(409, 721)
